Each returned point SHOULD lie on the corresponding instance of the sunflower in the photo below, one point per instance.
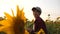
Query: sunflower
(41, 31)
(14, 24)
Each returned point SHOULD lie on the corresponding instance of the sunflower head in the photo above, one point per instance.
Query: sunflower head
(14, 24)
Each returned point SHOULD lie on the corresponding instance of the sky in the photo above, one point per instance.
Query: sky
(51, 7)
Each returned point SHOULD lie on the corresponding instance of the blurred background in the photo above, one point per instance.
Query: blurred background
(50, 12)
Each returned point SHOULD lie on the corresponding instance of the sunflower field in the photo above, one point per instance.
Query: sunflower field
(18, 24)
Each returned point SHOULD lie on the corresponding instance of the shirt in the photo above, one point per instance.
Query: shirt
(38, 24)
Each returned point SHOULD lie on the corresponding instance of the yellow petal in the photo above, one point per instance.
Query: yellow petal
(41, 30)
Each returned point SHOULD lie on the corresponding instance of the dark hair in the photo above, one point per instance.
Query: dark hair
(38, 9)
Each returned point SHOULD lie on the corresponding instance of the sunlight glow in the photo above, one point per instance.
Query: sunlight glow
(6, 6)
(48, 7)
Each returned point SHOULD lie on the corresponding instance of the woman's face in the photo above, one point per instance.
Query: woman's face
(35, 13)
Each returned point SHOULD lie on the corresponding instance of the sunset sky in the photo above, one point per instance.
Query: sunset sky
(51, 7)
